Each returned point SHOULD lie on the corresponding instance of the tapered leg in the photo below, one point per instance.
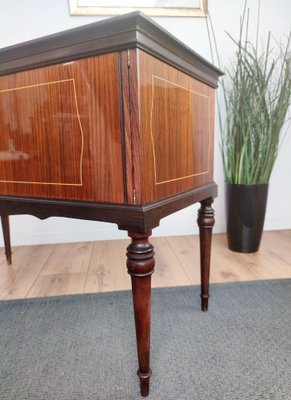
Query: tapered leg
(6, 235)
(140, 264)
(205, 222)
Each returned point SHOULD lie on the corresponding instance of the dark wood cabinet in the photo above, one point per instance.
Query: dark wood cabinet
(113, 122)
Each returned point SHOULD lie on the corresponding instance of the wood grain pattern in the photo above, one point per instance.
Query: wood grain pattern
(140, 265)
(18, 279)
(100, 278)
(61, 131)
(66, 270)
(176, 123)
(34, 270)
(41, 134)
(205, 222)
(131, 126)
(179, 133)
(6, 236)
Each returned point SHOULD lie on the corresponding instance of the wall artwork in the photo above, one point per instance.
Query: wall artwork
(180, 8)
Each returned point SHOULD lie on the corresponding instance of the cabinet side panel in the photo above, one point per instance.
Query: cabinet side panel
(60, 134)
(176, 120)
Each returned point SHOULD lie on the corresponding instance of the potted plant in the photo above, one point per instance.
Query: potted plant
(257, 94)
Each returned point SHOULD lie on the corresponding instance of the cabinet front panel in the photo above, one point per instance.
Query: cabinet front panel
(176, 122)
(60, 131)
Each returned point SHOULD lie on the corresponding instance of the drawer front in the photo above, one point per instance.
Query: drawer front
(60, 131)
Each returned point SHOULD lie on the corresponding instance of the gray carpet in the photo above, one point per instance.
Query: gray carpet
(83, 347)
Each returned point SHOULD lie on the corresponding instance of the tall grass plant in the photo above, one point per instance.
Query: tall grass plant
(257, 95)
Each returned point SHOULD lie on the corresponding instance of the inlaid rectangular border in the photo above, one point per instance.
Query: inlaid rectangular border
(81, 131)
(152, 136)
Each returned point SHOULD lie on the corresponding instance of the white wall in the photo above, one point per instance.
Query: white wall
(28, 19)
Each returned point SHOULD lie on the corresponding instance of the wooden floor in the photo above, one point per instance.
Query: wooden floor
(47, 270)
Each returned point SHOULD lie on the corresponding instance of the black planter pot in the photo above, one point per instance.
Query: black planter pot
(245, 216)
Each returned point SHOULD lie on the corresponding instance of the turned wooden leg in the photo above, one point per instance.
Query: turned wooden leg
(205, 222)
(140, 264)
(6, 235)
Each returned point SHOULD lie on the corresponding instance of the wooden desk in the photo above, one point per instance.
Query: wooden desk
(113, 122)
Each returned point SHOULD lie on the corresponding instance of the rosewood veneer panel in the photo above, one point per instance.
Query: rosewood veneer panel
(61, 131)
(176, 129)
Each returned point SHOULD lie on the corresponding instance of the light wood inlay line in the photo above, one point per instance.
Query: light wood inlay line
(152, 136)
(72, 80)
(82, 133)
(180, 86)
(36, 85)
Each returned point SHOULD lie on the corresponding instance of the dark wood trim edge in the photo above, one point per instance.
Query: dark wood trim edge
(133, 30)
(133, 218)
(120, 88)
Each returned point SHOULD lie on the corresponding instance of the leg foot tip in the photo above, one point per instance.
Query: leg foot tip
(144, 382)
(144, 391)
(204, 303)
